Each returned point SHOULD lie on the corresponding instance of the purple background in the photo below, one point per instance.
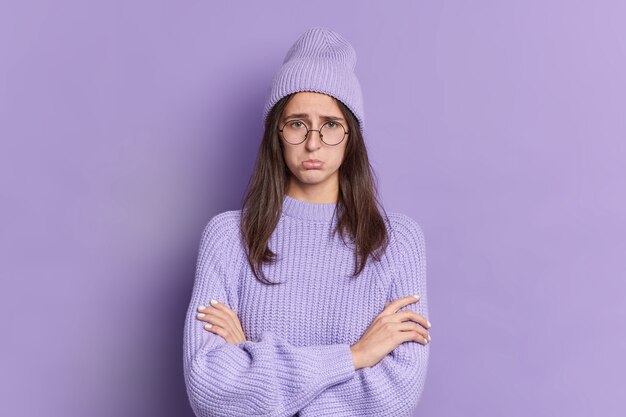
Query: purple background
(498, 125)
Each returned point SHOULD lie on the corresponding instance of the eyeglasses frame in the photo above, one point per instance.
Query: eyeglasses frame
(313, 130)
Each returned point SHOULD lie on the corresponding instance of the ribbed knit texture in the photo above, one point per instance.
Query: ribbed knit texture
(323, 61)
(297, 358)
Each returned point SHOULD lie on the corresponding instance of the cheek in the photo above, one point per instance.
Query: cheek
(290, 158)
(338, 157)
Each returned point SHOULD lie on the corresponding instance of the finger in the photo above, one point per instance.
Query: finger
(213, 319)
(215, 311)
(394, 305)
(211, 316)
(223, 307)
(230, 314)
(412, 335)
(213, 304)
(220, 313)
(216, 329)
(412, 315)
(224, 321)
(234, 326)
(413, 327)
(220, 330)
(407, 331)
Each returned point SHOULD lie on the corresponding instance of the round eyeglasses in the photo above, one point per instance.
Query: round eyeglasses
(296, 131)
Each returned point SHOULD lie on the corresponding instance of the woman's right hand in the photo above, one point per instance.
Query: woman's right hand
(388, 330)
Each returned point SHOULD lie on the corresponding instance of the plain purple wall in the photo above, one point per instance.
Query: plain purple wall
(498, 125)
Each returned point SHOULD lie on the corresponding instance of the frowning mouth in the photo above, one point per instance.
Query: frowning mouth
(312, 164)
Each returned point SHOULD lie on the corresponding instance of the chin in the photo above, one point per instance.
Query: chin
(312, 177)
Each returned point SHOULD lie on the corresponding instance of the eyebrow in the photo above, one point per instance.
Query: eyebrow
(306, 117)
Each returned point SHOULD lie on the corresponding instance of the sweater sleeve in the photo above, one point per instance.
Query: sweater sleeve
(394, 385)
(268, 377)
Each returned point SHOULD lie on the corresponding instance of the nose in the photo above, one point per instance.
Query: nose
(309, 136)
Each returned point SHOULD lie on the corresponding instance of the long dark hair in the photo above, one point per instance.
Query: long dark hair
(357, 207)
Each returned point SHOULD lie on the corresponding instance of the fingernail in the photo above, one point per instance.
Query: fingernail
(201, 308)
(200, 315)
(417, 296)
(208, 326)
(429, 338)
(214, 302)
(427, 322)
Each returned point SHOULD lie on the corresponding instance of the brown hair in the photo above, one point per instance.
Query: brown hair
(357, 205)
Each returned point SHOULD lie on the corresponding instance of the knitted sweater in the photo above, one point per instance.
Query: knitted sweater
(296, 359)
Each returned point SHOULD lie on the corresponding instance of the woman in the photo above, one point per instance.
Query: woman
(304, 301)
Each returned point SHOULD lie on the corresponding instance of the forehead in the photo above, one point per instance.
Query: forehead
(312, 103)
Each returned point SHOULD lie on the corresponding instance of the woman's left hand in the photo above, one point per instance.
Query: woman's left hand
(222, 321)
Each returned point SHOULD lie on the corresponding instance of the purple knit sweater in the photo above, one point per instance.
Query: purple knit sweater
(297, 359)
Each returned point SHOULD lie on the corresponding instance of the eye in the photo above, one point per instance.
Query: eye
(331, 124)
(296, 124)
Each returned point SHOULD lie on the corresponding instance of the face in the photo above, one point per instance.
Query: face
(310, 182)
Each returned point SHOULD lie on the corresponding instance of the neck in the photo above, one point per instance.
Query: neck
(329, 195)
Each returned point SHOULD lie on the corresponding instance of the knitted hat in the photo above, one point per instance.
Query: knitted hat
(322, 61)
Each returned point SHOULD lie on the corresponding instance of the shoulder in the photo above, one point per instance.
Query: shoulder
(222, 227)
(405, 231)
(407, 244)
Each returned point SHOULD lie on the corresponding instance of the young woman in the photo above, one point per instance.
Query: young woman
(308, 301)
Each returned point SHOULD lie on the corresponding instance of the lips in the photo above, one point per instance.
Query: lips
(312, 164)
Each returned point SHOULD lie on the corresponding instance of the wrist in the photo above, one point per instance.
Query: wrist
(356, 358)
